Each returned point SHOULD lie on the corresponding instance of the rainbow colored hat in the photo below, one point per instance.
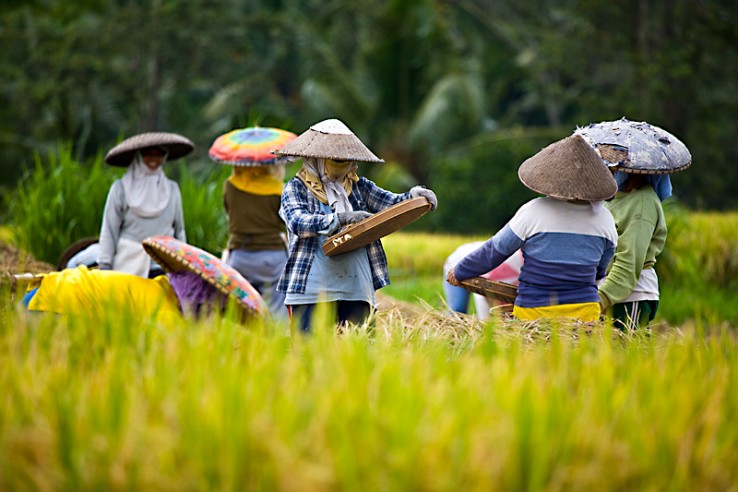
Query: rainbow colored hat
(174, 255)
(251, 147)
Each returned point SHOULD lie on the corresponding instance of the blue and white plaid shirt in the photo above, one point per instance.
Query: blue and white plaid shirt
(305, 220)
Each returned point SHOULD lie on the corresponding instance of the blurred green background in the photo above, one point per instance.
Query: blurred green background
(454, 95)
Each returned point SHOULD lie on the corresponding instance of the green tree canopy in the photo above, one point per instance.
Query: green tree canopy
(422, 82)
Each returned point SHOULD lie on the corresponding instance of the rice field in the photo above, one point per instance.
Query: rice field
(427, 401)
(416, 399)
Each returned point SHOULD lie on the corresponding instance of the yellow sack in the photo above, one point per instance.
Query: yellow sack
(80, 291)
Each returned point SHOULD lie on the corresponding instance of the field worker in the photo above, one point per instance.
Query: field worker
(641, 157)
(567, 237)
(257, 245)
(196, 285)
(143, 203)
(457, 298)
(326, 195)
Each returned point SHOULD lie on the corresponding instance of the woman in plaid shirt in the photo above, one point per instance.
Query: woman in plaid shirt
(326, 195)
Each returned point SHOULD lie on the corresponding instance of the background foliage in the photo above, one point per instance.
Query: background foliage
(453, 95)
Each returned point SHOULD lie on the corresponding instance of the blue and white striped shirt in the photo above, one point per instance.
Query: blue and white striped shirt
(566, 248)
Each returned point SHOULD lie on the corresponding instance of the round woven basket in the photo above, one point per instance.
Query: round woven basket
(377, 226)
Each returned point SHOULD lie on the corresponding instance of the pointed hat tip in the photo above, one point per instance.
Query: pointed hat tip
(332, 126)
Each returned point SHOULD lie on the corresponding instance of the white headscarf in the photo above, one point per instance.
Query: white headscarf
(146, 191)
(334, 189)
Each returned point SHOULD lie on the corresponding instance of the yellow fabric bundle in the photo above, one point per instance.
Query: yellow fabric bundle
(79, 291)
(583, 311)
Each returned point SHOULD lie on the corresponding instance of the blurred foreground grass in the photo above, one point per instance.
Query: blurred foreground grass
(429, 403)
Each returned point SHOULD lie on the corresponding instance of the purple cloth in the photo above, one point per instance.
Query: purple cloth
(193, 292)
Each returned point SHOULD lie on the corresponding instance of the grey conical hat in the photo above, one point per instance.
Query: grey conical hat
(568, 170)
(637, 147)
(176, 145)
(329, 139)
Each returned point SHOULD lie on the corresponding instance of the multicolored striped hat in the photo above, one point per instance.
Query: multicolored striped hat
(250, 147)
(174, 255)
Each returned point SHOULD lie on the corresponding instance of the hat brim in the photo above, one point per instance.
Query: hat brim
(176, 146)
(339, 147)
(174, 255)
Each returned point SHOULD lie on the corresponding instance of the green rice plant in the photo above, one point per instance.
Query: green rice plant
(702, 248)
(58, 202)
(206, 223)
(425, 403)
(416, 265)
(61, 200)
(422, 253)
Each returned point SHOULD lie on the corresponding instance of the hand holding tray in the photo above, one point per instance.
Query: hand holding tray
(377, 226)
(490, 288)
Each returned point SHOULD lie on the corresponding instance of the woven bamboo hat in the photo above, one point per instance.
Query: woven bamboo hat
(568, 170)
(176, 146)
(329, 139)
(637, 147)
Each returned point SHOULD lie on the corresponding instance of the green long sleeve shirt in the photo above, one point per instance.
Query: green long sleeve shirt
(639, 219)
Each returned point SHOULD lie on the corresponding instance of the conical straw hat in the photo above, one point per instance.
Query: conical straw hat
(568, 170)
(329, 139)
(176, 145)
(637, 147)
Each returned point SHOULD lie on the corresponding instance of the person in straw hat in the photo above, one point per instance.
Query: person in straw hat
(143, 203)
(641, 157)
(567, 237)
(197, 284)
(251, 196)
(327, 194)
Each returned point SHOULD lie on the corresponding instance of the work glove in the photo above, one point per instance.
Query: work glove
(417, 191)
(346, 218)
